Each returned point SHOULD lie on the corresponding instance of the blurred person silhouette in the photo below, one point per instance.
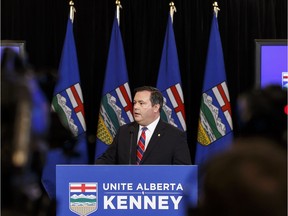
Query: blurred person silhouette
(248, 179)
(262, 113)
(24, 127)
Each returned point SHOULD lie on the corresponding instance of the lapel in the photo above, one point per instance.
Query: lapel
(135, 128)
(156, 137)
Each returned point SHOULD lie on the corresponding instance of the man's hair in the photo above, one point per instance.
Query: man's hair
(156, 96)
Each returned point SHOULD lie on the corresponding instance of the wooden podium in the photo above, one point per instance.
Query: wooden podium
(125, 190)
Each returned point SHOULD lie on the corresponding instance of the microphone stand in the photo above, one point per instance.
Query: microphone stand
(131, 144)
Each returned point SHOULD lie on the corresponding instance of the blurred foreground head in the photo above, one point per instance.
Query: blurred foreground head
(16, 106)
(248, 179)
(24, 128)
(262, 113)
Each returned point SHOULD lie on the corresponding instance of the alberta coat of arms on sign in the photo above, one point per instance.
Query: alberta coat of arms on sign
(83, 197)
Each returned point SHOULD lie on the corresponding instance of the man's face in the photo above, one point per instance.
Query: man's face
(143, 111)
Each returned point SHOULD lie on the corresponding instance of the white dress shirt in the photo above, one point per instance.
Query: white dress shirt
(149, 132)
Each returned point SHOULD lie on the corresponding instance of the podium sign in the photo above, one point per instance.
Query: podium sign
(125, 190)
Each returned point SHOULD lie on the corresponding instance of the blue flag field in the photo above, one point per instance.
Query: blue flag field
(116, 102)
(68, 103)
(215, 130)
(169, 82)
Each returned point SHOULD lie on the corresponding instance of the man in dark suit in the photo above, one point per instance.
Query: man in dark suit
(164, 143)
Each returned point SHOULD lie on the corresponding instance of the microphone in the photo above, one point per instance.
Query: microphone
(131, 144)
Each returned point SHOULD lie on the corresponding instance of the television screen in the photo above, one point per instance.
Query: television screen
(17, 46)
(271, 62)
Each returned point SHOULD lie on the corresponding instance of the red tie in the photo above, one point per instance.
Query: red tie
(141, 145)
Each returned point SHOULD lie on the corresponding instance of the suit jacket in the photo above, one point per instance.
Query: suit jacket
(167, 146)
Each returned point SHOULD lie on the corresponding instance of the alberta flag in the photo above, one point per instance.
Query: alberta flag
(68, 100)
(215, 130)
(68, 103)
(116, 102)
(169, 82)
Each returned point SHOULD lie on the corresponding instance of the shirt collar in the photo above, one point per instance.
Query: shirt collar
(151, 127)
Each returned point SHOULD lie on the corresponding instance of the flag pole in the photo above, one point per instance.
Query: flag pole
(172, 9)
(216, 8)
(118, 6)
(72, 10)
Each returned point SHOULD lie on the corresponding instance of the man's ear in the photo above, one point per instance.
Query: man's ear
(156, 107)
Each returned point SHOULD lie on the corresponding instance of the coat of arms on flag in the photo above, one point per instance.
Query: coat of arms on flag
(83, 198)
(215, 115)
(110, 116)
(175, 98)
(69, 104)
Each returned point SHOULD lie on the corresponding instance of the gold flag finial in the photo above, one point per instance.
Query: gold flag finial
(216, 8)
(72, 10)
(118, 3)
(172, 9)
(118, 6)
